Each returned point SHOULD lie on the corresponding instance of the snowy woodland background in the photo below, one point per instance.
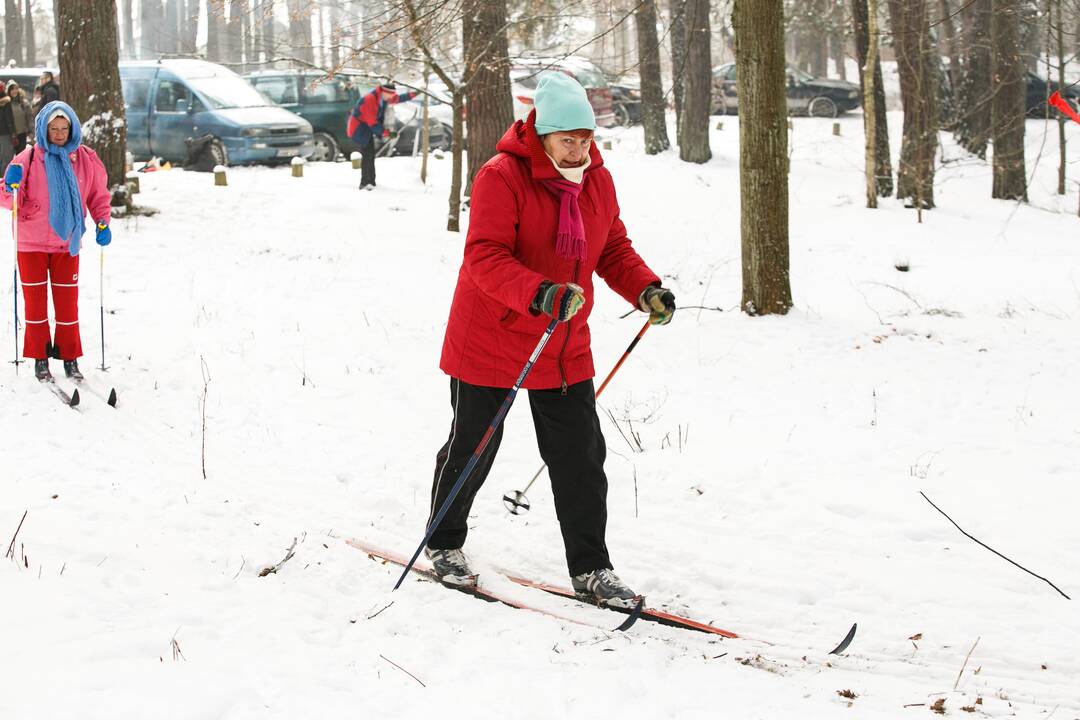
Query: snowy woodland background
(274, 343)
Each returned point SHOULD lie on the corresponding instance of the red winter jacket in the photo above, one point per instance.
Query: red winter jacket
(510, 250)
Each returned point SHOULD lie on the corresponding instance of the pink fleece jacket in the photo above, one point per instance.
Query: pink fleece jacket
(35, 233)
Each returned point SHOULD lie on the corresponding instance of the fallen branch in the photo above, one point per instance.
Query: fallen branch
(11, 547)
(274, 568)
(962, 667)
(370, 617)
(403, 670)
(681, 307)
(980, 542)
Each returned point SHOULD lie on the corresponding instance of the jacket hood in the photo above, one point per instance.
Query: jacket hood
(41, 125)
(522, 141)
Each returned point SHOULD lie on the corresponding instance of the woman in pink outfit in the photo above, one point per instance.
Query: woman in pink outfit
(57, 182)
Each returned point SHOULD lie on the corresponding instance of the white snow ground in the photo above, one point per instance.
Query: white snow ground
(790, 510)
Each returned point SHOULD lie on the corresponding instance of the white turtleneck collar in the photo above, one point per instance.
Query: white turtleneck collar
(573, 174)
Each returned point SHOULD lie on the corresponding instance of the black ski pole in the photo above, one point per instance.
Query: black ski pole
(495, 422)
(515, 501)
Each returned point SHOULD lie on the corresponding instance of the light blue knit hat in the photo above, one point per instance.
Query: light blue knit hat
(562, 105)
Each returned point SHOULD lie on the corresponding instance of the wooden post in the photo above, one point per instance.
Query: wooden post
(836, 129)
(607, 144)
(720, 125)
(298, 167)
(133, 183)
(219, 176)
(356, 158)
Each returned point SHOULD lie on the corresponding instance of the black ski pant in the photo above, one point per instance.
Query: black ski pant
(367, 163)
(570, 442)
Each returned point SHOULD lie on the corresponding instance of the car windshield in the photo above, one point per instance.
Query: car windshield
(228, 92)
(798, 74)
(589, 78)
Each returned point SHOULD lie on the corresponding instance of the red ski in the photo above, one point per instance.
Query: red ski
(476, 591)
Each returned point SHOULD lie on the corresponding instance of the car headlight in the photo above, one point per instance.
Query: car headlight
(255, 132)
(853, 94)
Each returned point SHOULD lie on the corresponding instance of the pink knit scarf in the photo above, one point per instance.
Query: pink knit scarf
(570, 242)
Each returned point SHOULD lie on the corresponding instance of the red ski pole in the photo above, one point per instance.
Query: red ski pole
(515, 501)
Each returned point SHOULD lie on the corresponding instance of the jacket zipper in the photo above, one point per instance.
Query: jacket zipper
(566, 340)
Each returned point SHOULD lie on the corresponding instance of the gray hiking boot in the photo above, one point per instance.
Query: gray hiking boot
(604, 588)
(451, 566)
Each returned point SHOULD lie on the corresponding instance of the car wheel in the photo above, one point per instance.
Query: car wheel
(326, 149)
(622, 115)
(218, 152)
(821, 107)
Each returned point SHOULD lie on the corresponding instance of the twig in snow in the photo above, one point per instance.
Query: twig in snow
(992, 549)
(684, 308)
(403, 670)
(11, 547)
(243, 561)
(177, 654)
(903, 292)
(962, 667)
(635, 492)
(372, 617)
(202, 407)
(274, 568)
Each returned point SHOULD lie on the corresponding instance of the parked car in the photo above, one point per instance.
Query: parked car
(1036, 93)
(325, 102)
(168, 102)
(806, 94)
(626, 96)
(525, 74)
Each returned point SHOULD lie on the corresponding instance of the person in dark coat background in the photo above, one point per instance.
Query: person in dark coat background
(50, 91)
(7, 129)
(22, 113)
(367, 122)
(544, 218)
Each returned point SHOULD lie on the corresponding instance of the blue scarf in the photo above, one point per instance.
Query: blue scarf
(66, 209)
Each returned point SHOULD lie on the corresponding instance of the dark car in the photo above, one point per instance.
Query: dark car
(806, 94)
(626, 97)
(325, 102)
(525, 74)
(1037, 93)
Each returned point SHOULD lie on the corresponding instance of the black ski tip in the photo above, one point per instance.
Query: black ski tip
(634, 615)
(112, 397)
(74, 398)
(846, 641)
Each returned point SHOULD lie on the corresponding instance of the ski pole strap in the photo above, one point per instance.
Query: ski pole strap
(467, 470)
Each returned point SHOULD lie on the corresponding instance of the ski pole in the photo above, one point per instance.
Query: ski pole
(15, 269)
(515, 501)
(101, 297)
(495, 422)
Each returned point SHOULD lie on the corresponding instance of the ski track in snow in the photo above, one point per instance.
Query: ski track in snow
(790, 510)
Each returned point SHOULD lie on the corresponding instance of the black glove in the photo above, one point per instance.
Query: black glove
(560, 301)
(659, 303)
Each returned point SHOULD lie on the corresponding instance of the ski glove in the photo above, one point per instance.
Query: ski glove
(13, 177)
(659, 303)
(560, 301)
(104, 234)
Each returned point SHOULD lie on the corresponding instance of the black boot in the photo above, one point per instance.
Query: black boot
(41, 370)
(71, 369)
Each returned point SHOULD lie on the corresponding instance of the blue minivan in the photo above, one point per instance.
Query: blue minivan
(169, 101)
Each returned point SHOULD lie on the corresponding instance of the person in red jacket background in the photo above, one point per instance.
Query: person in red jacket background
(367, 121)
(544, 218)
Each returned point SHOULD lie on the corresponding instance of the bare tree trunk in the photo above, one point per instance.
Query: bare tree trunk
(215, 30)
(128, 23)
(972, 125)
(952, 42)
(269, 41)
(190, 26)
(882, 152)
(763, 158)
(12, 33)
(1007, 107)
(234, 33)
(677, 36)
(29, 46)
(335, 35)
(697, 102)
(871, 66)
(249, 38)
(170, 36)
(653, 118)
(911, 31)
(90, 70)
(453, 220)
(486, 78)
(1059, 38)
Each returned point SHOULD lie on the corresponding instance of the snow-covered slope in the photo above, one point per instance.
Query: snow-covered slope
(775, 491)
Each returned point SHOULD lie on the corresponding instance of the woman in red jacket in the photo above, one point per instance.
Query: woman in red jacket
(543, 219)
